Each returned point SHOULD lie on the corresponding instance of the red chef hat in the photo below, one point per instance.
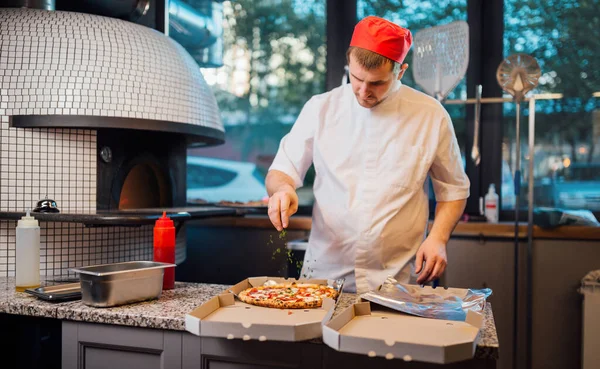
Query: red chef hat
(382, 37)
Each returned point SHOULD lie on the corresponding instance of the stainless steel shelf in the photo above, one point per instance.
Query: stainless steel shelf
(135, 217)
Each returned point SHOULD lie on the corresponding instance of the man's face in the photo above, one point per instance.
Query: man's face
(370, 86)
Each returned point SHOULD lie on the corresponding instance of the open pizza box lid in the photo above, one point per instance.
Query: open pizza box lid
(374, 330)
(227, 317)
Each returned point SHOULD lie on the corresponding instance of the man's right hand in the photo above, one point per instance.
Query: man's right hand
(282, 205)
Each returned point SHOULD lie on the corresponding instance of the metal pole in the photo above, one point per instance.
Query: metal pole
(517, 184)
(531, 139)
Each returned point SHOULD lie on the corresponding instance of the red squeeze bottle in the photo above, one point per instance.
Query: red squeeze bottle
(164, 248)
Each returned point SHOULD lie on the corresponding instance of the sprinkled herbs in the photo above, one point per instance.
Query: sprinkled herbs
(284, 252)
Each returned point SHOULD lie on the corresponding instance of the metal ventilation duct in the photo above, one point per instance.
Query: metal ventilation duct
(199, 29)
(195, 24)
(130, 10)
(33, 4)
(66, 69)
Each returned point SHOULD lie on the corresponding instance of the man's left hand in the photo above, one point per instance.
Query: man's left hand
(431, 260)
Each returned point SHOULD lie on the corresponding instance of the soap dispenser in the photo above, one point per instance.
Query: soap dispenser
(491, 204)
(27, 253)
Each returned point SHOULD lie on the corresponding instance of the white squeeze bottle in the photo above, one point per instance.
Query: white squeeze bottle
(491, 204)
(27, 253)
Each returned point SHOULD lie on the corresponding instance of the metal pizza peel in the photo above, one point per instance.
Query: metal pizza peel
(441, 57)
(517, 75)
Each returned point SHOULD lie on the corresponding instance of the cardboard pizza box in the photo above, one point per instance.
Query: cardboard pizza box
(227, 317)
(373, 330)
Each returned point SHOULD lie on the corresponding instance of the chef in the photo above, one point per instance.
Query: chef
(373, 142)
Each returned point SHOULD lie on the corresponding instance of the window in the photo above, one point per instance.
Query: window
(213, 179)
(202, 176)
(567, 132)
(274, 62)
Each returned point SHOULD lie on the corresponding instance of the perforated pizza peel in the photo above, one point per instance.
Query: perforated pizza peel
(441, 58)
(517, 75)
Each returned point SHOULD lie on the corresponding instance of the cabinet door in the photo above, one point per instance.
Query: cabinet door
(480, 263)
(100, 346)
(219, 353)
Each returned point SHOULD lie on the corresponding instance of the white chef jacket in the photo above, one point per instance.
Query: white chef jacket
(371, 204)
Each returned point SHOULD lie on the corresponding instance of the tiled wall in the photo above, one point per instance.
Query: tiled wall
(58, 163)
(69, 245)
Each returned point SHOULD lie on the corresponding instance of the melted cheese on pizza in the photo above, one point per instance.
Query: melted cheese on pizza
(291, 293)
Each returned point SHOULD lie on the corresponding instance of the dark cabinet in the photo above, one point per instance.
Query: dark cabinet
(219, 353)
(29, 342)
(480, 263)
(99, 346)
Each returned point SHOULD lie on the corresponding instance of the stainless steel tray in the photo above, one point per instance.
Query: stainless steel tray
(121, 283)
(57, 293)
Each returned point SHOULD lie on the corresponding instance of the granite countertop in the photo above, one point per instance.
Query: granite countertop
(168, 312)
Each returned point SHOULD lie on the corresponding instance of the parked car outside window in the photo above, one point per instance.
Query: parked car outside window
(578, 187)
(213, 180)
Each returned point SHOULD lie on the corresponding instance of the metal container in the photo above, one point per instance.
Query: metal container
(58, 293)
(121, 283)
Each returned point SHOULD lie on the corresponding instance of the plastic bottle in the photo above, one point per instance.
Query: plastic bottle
(491, 204)
(27, 253)
(164, 248)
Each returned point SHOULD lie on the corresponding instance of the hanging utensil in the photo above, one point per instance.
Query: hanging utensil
(517, 75)
(475, 155)
(441, 58)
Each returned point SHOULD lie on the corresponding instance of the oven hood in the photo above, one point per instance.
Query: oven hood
(74, 70)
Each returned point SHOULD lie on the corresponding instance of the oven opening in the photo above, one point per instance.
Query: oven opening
(140, 170)
(145, 186)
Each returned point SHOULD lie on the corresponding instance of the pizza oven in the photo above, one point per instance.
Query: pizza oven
(134, 97)
(96, 113)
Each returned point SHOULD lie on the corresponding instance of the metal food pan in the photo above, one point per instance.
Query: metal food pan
(121, 283)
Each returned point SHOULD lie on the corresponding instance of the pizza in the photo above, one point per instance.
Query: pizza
(288, 296)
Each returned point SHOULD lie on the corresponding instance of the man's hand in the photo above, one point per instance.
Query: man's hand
(282, 205)
(433, 250)
(433, 253)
